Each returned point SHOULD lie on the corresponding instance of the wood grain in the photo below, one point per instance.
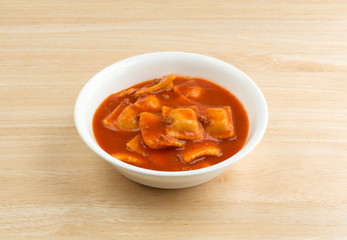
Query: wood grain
(292, 186)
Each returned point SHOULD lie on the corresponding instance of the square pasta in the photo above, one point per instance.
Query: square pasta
(166, 83)
(128, 158)
(148, 103)
(153, 133)
(200, 149)
(123, 117)
(189, 89)
(135, 145)
(219, 122)
(182, 123)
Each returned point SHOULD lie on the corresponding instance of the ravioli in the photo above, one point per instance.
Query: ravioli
(153, 133)
(123, 117)
(219, 122)
(128, 158)
(127, 119)
(182, 123)
(200, 150)
(166, 83)
(136, 145)
(183, 101)
(149, 103)
(189, 89)
(126, 92)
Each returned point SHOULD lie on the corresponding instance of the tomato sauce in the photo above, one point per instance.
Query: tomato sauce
(114, 141)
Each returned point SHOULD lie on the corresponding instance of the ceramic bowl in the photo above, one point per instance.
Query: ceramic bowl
(133, 70)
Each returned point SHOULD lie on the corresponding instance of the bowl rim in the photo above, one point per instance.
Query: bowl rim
(92, 144)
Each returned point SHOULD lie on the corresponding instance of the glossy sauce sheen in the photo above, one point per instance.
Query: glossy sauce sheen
(168, 159)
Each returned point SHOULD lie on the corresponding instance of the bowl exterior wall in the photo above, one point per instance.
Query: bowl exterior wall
(168, 182)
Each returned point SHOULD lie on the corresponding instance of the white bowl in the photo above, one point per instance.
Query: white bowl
(133, 70)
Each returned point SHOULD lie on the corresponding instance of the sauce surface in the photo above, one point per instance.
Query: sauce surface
(125, 121)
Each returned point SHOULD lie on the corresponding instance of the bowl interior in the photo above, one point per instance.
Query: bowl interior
(140, 68)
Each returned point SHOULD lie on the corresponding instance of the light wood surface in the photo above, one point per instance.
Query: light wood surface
(292, 186)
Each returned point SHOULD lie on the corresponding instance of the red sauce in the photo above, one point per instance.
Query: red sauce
(168, 159)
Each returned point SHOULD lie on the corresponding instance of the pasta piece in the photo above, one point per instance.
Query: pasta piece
(126, 92)
(111, 120)
(127, 120)
(219, 122)
(200, 150)
(166, 83)
(153, 134)
(149, 103)
(183, 101)
(188, 89)
(128, 158)
(182, 123)
(135, 145)
(184, 119)
(165, 111)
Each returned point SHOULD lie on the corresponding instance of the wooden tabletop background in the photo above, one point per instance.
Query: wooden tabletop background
(292, 186)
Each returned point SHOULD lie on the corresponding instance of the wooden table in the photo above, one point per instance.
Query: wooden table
(292, 186)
